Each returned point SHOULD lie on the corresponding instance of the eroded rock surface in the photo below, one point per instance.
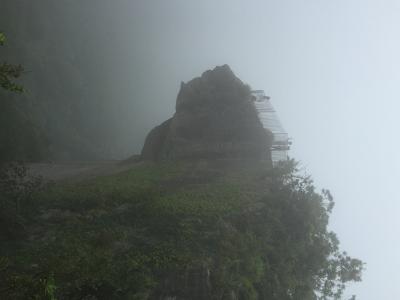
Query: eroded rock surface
(214, 118)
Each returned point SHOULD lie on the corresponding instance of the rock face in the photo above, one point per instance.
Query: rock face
(214, 118)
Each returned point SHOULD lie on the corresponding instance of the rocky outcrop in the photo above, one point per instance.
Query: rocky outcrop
(214, 118)
(155, 141)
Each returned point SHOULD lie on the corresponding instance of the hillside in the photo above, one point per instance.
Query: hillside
(222, 229)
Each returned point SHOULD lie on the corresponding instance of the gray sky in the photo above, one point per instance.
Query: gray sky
(332, 69)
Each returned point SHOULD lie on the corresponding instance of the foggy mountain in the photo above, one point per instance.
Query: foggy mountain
(202, 214)
(99, 76)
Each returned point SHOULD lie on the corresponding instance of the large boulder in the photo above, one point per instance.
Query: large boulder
(214, 118)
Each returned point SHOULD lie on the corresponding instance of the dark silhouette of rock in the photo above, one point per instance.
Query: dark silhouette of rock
(214, 118)
(155, 141)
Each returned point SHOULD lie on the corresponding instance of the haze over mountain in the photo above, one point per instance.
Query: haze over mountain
(101, 74)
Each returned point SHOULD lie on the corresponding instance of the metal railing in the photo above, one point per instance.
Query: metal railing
(269, 119)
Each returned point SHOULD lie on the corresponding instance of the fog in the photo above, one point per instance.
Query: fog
(331, 68)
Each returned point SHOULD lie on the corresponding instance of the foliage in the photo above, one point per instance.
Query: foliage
(323, 267)
(20, 138)
(16, 187)
(16, 191)
(9, 72)
(157, 230)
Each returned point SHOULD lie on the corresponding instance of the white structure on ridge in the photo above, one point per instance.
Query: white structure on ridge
(269, 119)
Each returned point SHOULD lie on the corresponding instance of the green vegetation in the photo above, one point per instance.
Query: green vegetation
(20, 138)
(9, 72)
(190, 229)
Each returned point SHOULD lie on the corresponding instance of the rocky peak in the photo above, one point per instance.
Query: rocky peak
(217, 88)
(214, 118)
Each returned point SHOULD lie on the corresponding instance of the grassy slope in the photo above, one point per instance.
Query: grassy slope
(206, 229)
(127, 231)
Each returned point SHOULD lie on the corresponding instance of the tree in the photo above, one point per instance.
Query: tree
(8, 72)
(20, 137)
(324, 270)
(17, 139)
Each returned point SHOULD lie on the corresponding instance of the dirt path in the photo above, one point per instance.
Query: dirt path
(57, 171)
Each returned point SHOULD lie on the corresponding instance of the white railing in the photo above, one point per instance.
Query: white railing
(269, 119)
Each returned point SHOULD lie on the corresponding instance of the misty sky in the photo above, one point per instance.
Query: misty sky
(332, 69)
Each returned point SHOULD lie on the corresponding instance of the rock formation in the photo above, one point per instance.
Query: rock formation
(214, 118)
